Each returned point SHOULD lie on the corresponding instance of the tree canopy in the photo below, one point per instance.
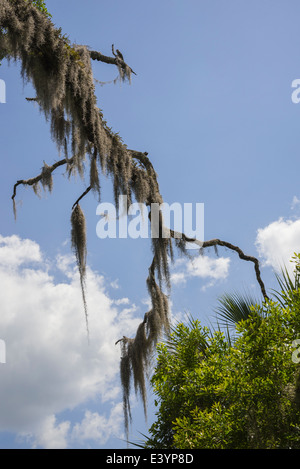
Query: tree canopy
(237, 394)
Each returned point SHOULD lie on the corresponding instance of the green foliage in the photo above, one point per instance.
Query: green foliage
(234, 308)
(41, 5)
(216, 394)
(287, 284)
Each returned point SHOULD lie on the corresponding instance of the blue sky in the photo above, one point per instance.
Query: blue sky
(211, 104)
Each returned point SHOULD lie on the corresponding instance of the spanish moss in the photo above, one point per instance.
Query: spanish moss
(78, 240)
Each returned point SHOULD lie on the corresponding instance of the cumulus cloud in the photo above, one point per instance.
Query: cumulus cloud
(204, 267)
(14, 251)
(97, 427)
(277, 242)
(178, 277)
(50, 365)
(295, 203)
(51, 434)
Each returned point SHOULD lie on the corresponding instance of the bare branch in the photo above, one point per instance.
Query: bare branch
(32, 181)
(95, 55)
(117, 60)
(124, 338)
(218, 242)
(81, 197)
(32, 99)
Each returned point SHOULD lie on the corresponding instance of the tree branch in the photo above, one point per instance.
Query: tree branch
(117, 60)
(32, 181)
(95, 55)
(218, 242)
(144, 160)
(81, 197)
(205, 244)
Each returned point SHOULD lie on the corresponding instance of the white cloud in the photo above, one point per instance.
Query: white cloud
(97, 427)
(115, 284)
(295, 202)
(203, 267)
(178, 277)
(122, 301)
(52, 435)
(93, 427)
(50, 366)
(277, 242)
(14, 251)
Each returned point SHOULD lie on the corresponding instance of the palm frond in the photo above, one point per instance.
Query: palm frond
(234, 308)
(141, 444)
(173, 340)
(287, 284)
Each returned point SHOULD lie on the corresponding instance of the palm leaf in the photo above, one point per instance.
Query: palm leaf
(234, 308)
(173, 340)
(287, 285)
